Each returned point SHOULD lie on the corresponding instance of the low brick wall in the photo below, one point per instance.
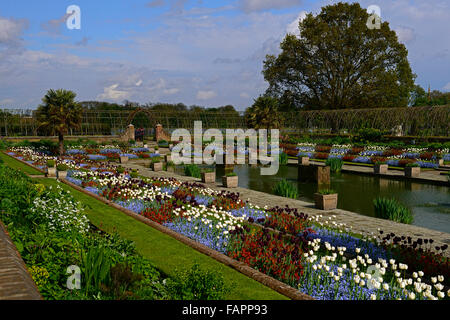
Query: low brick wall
(270, 282)
(15, 281)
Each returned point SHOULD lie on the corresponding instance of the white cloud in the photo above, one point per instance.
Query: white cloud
(111, 93)
(260, 5)
(244, 95)
(293, 26)
(206, 95)
(171, 91)
(6, 102)
(447, 87)
(138, 84)
(405, 34)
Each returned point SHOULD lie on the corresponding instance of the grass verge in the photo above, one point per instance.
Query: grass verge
(13, 163)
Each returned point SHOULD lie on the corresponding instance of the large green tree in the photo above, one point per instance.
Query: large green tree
(338, 62)
(58, 114)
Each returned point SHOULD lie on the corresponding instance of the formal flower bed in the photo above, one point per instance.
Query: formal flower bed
(368, 154)
(316, 255)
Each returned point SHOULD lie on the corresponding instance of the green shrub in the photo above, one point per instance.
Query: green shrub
(156, 159)
(327, 191)
(50, 163)
(192, 170)
(134, 174)
(335, 164)
(283, 158)
(231, 174)
(96, 269)
(391, 209)
(369, 135)
(413, 164)
(163, 143)
(120, 169)
(197, 284)
(285, 189)
(62, 167)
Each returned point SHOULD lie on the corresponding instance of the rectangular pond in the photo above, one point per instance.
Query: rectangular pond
(430, 204)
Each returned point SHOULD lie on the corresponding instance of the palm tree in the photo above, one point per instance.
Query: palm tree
(264, 114)
(58, 114)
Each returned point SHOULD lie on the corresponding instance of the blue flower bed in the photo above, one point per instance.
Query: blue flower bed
(337, 239)
(11, 153)
(92, 189)
(75, 151)
(393, 163)
(446, 157)
(255, 214)
(410, 155)
(139, 149)
(207, 235)
(112, 150)
(74, 180)
(134, 205)
(305, 154)
(362, 160)
(129, 155)
(343, 289)
(426, 164)
(370, 153)
(96, 157)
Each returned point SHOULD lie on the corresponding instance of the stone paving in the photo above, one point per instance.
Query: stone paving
(358, 223)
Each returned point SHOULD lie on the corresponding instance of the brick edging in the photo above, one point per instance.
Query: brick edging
(266, 280)
(32, 291)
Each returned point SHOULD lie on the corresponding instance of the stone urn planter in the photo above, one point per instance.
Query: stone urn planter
(380, 168)
(209, 177)
(51, 172)
(326, 201)
(61, 174)
(440, 162)
(157, 166)
(412, 172)
(230, 181)
(304, 161)
(123, 159)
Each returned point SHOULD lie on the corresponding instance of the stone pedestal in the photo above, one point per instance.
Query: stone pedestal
(61, 174)
(318, 174)
(123, 159)
(157, 166)
(303, 161)
(230, 182)
(208, 177)
(51, 172)
(325, 201)
(412, 172)
(167, 158)
(380, 168)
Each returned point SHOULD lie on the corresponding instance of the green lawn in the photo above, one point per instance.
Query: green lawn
(13, 163)
(166, 253)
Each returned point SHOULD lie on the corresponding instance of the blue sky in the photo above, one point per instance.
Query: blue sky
(208, 53)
